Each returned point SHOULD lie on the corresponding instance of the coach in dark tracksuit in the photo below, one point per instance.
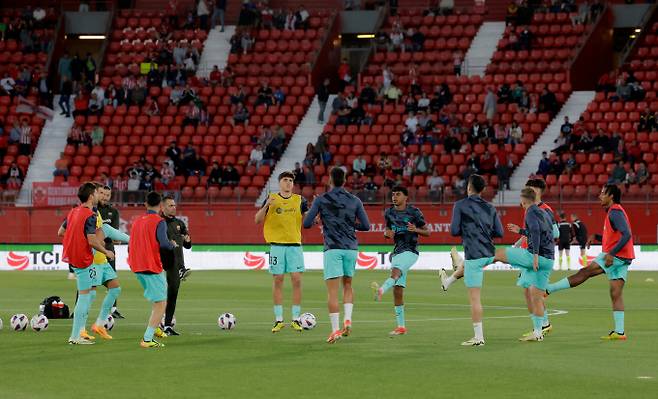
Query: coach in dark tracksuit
(110, 216)
(173, 261)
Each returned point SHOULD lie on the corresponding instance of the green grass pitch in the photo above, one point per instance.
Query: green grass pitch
(251, 362)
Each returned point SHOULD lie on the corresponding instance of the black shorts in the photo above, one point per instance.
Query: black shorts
(582, 244)
(563, 245)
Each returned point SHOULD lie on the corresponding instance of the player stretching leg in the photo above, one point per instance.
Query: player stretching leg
(477, 222)
(404, 223)
(282, 215)
(107, 276)
(341, 214)
(148, 236)
(617, 255)
(538, 186)
(79, 232)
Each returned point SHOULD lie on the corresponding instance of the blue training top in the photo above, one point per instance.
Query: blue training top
(339, 212)
(477, 222)
(397, 221)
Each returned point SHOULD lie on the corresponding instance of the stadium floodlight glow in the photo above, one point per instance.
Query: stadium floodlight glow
(638, 30)
(366, 36)
(92, 37)
(633, 36)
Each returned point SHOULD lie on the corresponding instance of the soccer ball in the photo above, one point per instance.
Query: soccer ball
(173, 322)
(308, 321)
(18, 322)
(226, 321)
(39, 323)
(109, 323)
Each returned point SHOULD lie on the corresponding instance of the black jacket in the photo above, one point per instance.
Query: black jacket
(176, 229)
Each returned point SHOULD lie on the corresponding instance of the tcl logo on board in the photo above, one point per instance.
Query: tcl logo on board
(39, 260)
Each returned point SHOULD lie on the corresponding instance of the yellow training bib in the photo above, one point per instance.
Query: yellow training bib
(283, 222)
(99, 257)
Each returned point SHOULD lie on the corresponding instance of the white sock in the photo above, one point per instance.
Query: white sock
(348, 311)
(479, 334)
(114, 309)
(537, 333)
(450, 280)
(335, 318)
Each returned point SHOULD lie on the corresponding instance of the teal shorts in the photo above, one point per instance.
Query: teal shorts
(155, 286)
(286, 259)
(521, 258)
(403, 262)
(339, 263)
(474, 271)
(85, 277)
(618, 269)
(104, 273)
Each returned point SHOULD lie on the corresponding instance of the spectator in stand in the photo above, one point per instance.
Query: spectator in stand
(323, 97)
(457, 61)
(302, 18)
(230, 175)
(97, 135)
(359, 165)
(396, 40)
(65, 97)
(256, 156)
(618, 174)
(562, 144)
(198, 166)
(487, 164)
(25, 146)
(503, 166)
(392, 94)
(203, 12)
(344, 74)
(436, 185)
(525, 39)
(167, 172)
(370, 185)
(76, 136)
(357, 182)
(8, 85)
(423, 164)
(241, 115)
(544, 165)
(215, 177)
(152, 108)
(175, 154)
(548, 102)
(570, 165)
(246, 42)
(265, 95)
(417, 40)
(600, 143)
(642, 174)
(90, 68)
(515, 134)
(489, 107)
(512, 13)
(309, 176)
(193, 115)
(215, 76)
(15, 133)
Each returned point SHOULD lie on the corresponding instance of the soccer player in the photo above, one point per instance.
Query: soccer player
(341, 213)
(111, 218)
(538, 186)
(617, 255)
(536, 260)
(404, 223)
(478, 223)
(580, 235)
(173, 262)
(105, 273)
(79, 232)
(147, 237)
(281, 216)
(564, 241)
